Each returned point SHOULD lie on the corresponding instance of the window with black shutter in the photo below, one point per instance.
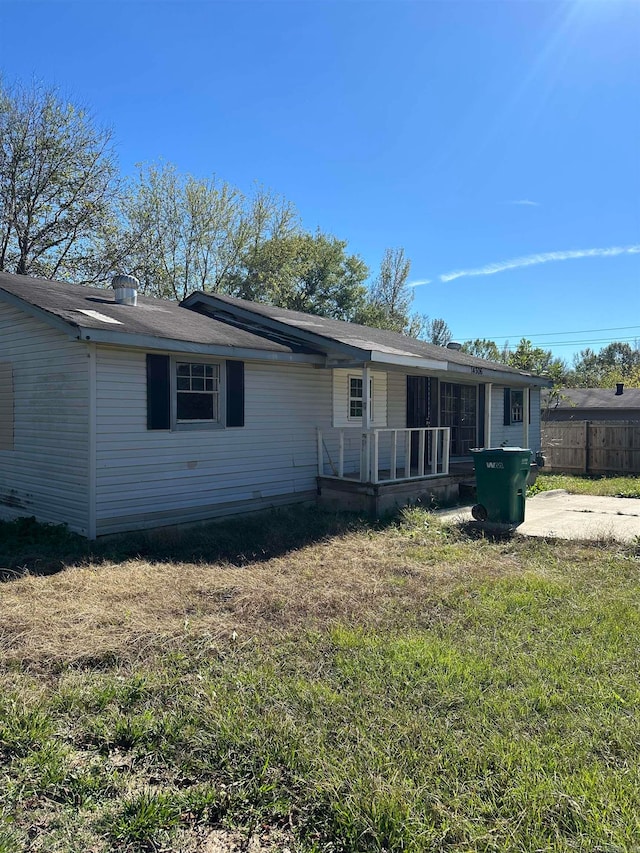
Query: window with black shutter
(184, 393)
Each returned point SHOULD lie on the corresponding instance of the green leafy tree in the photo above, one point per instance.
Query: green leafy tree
(58, 183)
(586, 372)
(536, 360)
(437, 332)
(388, 304)
(184, 233)
(526, 356)
(616, 362)
(389, 301)
(303, 272)
(483, 348)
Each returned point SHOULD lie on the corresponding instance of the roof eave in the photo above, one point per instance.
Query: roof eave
(407, 361)
(488, 373)
(149, 342)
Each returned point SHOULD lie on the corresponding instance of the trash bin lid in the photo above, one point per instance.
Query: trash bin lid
(499, 450)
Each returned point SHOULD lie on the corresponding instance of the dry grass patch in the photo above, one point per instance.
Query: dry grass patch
(121, 610)
(124, 608)
(406, 688)
(223, 841)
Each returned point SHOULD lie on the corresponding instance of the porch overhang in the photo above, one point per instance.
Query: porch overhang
(448, 369)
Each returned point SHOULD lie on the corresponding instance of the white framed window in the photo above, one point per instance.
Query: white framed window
(348, 402)
(356, 400)
(196, 394)
(517, 405)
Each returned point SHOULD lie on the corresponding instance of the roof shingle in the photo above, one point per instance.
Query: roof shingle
(597, 398)
(362, 337)
(159, 318)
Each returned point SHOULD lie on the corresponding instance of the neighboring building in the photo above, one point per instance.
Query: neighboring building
(118, 416)
(592, 404)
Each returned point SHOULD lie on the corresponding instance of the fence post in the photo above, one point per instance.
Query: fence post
(586, 447)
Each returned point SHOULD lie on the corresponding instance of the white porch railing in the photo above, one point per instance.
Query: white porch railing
(384, 455)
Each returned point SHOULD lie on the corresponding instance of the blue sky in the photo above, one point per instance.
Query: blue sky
(495, 138)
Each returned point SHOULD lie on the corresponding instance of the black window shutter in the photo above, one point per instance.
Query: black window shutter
(507, 406)
(158, 392)
(235, 393)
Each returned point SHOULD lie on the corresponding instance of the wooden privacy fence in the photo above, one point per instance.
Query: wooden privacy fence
(592, 447)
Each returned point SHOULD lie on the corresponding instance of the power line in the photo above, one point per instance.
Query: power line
(550, 334)
(555, 344)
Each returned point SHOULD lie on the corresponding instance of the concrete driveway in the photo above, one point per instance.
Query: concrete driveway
(563, 516)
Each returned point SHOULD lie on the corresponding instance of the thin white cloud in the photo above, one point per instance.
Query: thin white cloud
(419, 282)
(543, 258)
(526, 202)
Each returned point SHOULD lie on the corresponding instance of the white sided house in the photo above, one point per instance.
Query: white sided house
(120, 412)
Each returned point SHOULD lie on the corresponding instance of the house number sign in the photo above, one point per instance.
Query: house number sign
(477, 370)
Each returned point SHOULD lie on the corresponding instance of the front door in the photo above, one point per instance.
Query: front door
(418, 408)
(459, 410)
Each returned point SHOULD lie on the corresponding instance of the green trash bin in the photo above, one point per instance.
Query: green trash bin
(501, 481)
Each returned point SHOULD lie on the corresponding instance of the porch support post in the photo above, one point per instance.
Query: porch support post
(525, 417)
(487, 414)
(446, 449)
(366, 397)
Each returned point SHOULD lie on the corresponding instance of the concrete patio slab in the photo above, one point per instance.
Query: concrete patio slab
(557, 514)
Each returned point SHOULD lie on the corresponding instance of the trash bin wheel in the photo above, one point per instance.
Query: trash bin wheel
(479, 512)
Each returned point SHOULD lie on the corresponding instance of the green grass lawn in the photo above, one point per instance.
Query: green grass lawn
(624, 487)
(438, 693)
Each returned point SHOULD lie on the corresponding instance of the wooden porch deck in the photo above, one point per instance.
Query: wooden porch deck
(377, 499)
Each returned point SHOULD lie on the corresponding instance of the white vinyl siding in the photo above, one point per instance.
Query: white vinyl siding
(147, 478)
(6, 406)
(396, 400)
(46, 473)
(394, 393)
(535, 439)
(341, 397)
(512, 435)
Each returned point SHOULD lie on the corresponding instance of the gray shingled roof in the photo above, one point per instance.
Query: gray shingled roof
(598, 398)
(158, 318)
(164, 319)
(362, 337)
